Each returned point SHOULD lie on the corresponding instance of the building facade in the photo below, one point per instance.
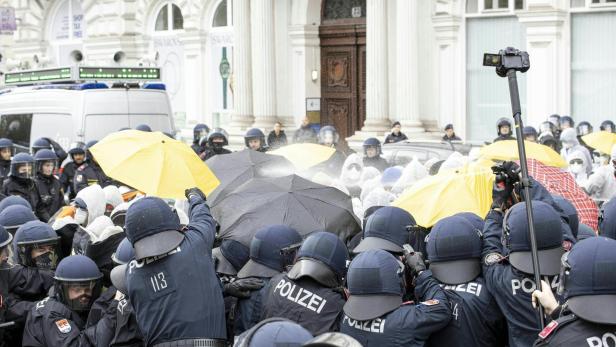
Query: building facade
(357, 64)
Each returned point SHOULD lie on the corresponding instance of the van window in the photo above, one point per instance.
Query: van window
(16, 127)
(98, 126)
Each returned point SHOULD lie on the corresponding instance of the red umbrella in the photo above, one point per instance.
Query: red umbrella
(560, 182)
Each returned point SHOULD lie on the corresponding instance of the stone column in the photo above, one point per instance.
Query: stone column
(242, 116)
(547, 83)
(263, 63)
(377, 93)
(407, 103)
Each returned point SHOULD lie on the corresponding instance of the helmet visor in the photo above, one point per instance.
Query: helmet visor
(80, 295)
(23, 170)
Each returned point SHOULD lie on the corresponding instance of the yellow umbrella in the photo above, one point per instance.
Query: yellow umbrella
(468, 189)
(601, 141)
(153, 163)
(305, 155)
(508, 150)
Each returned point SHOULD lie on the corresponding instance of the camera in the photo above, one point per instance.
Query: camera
(507, 59)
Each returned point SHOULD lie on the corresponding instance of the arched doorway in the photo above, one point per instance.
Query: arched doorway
(65, 32)
(343, 64)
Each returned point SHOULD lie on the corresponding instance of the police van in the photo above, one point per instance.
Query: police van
(81, 103)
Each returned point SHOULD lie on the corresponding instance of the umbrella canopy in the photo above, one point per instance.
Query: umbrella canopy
(601, 141)
(153, 163)
(508, 150)
(305, 155)
(468, 189)
(237, 168)
(291, 200)
(561, 183)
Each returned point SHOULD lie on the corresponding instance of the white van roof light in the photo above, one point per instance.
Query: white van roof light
(82, 74)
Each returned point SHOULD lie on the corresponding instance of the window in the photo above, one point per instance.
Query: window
(68, 22)
(602, 1)
(475, 6)
(220, 16)
(342, 9)
(17, 127)
(169, 18)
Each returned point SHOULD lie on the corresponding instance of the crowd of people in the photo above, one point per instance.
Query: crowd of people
(88, 261)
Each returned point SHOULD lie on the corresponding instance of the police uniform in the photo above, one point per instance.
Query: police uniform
(377, 162)
(5, 168)
(305, 302)
(504, 138)
(172, 300)
(51, 195)
(88, 174)
(127, 331)
(210, 152)
(570, 330)
(67, 178)
(21, 187)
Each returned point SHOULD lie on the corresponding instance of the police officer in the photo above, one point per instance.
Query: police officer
(332, 340)
(583, 128)
(376, 316)
(566, 122)
(530, 134)
(372, 154)
(21, 179)
(255, 140)
(274, 332)
(588, 316)
(608, 125)
(311, 294)
(570, 212)
(78, 156)
(48, 186)
(387, 229)
(143, 127)
(512, 282)
(503, 130)
(547, 127)
(14, 200)
(90, 172)
(555, 119)
(607, 219)
(272, 249)
(59, 320)
(454, 253)
(5, 255)
(47, 143)
(216, 141)
(14, 216)
(199, 131)
(6, 152)
(162, 281)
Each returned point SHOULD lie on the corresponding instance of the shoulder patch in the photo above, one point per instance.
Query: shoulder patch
(430, 302)
(493, 258)
(548, 329)
(64, 326)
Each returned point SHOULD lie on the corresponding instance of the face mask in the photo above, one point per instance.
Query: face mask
(81, 216)
(576, 168)
(46, 261)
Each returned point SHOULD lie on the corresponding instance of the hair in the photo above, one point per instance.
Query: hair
(279, 123)
(449, 126)
(395, 123)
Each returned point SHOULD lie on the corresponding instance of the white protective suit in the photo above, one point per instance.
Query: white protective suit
(571, 144)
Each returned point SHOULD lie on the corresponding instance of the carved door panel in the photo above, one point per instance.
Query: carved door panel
(338, 82)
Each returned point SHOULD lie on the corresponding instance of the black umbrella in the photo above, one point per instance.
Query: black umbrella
(237, 168)
(291, 200)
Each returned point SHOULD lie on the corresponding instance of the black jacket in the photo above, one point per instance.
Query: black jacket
(67, 178)
(377, 162)
(22, 187)
(393, 138)
(504, 137)
(305, 134)
(52, 197)
(276, 141)
(453, 138)
(90, 173)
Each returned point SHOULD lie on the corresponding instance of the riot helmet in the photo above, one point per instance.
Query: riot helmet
(372, 147)
(547, 127)
(566, 122)
(22, 166)
(36, 244)
(46, 162)
(14, 216)
(555, 119)
(583, 128)
(143, 127)
(6, 149)
(251, 137)
(77, 152)
(328, 135)
(200, 130)
(78, 282)
(530, 134)
(217, 139)
(609, 126)
(503, 123)
(40, 143)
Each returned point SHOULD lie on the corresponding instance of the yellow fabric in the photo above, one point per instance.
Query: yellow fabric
(468, 189)
(153, 163)
(508, 150)
(305, 155)
(601, 141)
(66, 211)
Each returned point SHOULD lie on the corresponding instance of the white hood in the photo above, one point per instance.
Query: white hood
(94, 197)
(378, 197)
(102, 228)
(412, 173)
(352, 177)
(113, 196)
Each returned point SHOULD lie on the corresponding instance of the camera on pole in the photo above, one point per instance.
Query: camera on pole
(507, 62)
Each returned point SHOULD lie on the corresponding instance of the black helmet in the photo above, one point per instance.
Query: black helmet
(77, 148)
(218, 133)
(32, 236)
(200, 130)
(22, 160)
(564, 120)
(529, 131)
(608, 125)
(124, 253)
(501, 123)
(372, 142)
(547, 126)
(328, 130)
(143, 127)
(7, 143)
(252, 134)
(322, 257)
(78, 274)
(45, 156)
(555, 119)
(14, 216)
(40, 143)
(583, 128)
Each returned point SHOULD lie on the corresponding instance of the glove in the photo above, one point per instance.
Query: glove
(414, 261)
(546, 298)
(194, 192)
(241, 288)
(512, 170)
(501, 194)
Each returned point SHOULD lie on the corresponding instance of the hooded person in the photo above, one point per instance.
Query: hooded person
(570, 144)
(378, 197)
(454, 161)
(577, 167)
(601, 184)
(390, 177)
(351, 173)
(412, 173)
(371, 179)
(113, 198)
